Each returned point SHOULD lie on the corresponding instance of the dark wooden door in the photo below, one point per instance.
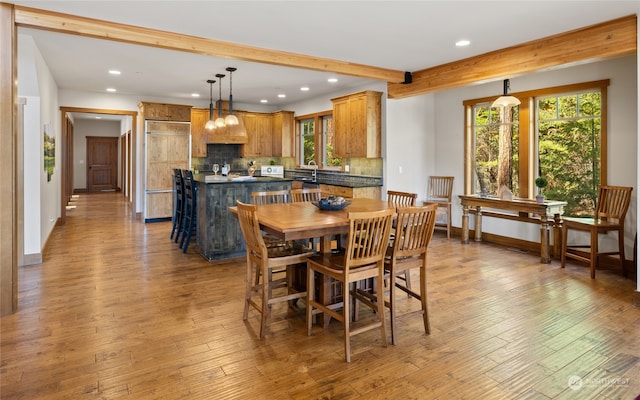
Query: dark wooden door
(102, 163)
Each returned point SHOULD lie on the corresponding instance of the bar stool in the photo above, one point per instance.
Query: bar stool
(190, 220)
(178, 202)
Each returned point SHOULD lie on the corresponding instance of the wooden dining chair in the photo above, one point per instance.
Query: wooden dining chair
(270, 197)
(401, 199)
(367, 241)
(305, 194)
(611, 209)
(261, 261)
(413, 232)
(440, 192)
(178, 205)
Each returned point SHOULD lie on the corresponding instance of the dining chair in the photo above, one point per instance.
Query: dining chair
(363, 258)
(401, 199)
(413, 232)
(261, 261)
(178, 205)
(305, 194)
(440, 192)
(611, 209)
(270, 197)
(190, 218)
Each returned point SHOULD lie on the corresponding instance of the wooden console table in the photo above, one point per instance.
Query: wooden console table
(549, 214)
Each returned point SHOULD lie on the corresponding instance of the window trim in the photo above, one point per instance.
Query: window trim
(318, 142)
(527, 128)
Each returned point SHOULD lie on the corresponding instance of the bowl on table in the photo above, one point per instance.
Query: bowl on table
(331, 203)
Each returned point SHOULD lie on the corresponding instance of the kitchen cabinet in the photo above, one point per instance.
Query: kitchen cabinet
(259, 135)
(357, 125)
(350, 192)
(165, 112)
(283, 138)
(199, 135)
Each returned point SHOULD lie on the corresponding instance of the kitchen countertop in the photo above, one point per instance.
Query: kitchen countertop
(237, 179)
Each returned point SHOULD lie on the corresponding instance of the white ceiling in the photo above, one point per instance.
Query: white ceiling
(401, 35)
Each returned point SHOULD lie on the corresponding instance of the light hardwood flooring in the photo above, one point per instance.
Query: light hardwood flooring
(117, 311)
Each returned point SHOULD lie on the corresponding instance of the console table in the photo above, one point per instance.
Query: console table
(548, 214)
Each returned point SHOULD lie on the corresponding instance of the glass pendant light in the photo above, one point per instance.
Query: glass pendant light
(231, 119)
(506, 100)
(210, 125)
(220, 121)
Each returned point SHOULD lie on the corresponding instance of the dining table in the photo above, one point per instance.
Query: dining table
(304, 220)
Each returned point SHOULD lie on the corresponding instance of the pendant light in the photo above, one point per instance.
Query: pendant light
(506, 100)
(210, 125)
(220, 121)
(231, 119)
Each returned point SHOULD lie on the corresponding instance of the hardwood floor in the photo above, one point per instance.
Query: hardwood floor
(117, 311)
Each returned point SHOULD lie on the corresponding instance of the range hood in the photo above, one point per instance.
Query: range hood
(235, 134)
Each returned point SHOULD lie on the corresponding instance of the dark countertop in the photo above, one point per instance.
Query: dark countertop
(336, 182)
(244, 179)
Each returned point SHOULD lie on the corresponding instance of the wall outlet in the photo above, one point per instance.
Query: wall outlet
(346, 168)
(400, 169)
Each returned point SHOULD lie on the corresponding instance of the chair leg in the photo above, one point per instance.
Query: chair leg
(310, 298)
(407, 279)
(346, 320)
(380, 304)
(423, 299)
(392, 306)
(248, 289)
(449, 221)
(621, 250)
(593, 262)
(266, 295)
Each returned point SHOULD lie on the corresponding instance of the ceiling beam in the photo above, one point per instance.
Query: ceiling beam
(100, 29)
(610, 39)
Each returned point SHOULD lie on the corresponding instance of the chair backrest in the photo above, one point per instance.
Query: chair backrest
(270, 197)
(187, 182)
(179, 183)
(401, 199)
(250, 227)
(613, 203)
(368, 237)
(414, 229)
(440, 187)
(305, 194)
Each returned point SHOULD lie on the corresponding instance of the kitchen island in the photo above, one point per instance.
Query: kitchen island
(218, 234)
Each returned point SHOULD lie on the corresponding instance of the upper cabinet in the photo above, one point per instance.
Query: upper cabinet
(357, 124)
(199, 117)
(259, 135)
(282, 129)
(165, 112)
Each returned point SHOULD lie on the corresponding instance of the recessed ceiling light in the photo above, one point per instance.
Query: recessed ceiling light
(264, 101)
(195, 94)
(98, 117)
(462, 43)
(111, 89)
(114, 72)
(332, 80)
(304, 89)
(282, 95)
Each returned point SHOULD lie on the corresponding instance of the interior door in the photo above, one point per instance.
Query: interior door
(102, 163)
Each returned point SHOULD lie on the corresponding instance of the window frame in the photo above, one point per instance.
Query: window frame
(528, 135)
(320, 153)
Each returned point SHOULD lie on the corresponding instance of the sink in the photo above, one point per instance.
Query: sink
(304, 179)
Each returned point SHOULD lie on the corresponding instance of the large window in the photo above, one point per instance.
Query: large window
(316, 141)
(558, 133)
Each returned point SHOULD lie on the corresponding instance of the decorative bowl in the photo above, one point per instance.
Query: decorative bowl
(329, 206)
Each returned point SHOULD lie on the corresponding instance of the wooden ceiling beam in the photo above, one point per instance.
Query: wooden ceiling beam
(100, 29)
(597, 42)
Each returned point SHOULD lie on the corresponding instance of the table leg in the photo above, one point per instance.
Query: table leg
(557, 231)
(465, 224)
(324, 284)
(544, 240)
(478, 224)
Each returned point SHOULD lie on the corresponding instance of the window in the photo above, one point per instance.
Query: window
(558, 133)
(316, 141)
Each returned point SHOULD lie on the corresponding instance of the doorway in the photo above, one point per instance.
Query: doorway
(102, 163)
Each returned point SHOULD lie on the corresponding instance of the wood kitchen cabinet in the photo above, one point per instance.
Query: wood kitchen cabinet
(349, 192)
(282, 123)
(199, 117)
(165, 112)
(260, 136)
(357, 126)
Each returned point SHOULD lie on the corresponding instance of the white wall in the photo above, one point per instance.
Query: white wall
(622, 133)
(81, 129)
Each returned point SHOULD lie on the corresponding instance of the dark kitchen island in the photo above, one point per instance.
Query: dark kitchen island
(218, 234)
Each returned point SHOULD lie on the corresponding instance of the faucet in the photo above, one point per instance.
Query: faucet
(314, 174)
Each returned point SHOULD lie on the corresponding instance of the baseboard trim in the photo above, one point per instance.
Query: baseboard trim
(636, 299)
(31, 259)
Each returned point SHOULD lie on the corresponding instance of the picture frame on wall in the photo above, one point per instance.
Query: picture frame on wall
(49, 144)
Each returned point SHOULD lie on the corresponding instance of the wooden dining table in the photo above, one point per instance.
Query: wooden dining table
(303, 220)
